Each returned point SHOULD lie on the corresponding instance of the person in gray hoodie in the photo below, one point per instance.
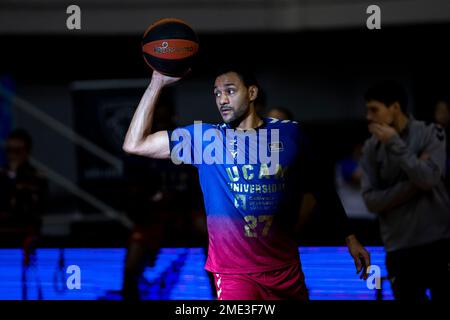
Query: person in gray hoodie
(403, 166)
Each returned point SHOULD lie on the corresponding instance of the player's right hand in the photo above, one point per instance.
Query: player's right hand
(164, 80)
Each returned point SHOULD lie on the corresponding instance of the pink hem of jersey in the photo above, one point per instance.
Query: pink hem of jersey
(251, 270)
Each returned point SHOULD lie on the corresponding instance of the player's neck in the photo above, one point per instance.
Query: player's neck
(251, 121)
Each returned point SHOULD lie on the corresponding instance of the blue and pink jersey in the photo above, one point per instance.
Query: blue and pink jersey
(250, 209)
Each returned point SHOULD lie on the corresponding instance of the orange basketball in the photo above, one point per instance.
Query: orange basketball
(169, 46)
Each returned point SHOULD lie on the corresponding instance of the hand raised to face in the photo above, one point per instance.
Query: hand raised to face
(382, 132)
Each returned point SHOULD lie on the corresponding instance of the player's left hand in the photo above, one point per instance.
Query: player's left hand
(360, 256)
(382, 132)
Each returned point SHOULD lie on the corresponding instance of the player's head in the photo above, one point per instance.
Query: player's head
(235, 91)
(385, 102)
(442, 113)
(18, 147)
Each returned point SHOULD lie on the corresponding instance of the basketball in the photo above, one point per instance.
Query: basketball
(169, 46)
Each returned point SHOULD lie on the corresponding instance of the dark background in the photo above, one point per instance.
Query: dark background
(320, 75)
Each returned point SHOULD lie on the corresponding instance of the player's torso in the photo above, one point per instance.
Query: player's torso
(248, 228)
(254, 188)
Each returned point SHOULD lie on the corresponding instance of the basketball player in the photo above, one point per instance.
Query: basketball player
(250, 207)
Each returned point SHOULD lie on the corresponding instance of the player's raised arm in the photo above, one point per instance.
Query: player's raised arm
(138, 140)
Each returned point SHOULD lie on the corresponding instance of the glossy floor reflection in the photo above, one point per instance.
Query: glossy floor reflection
(177, 274)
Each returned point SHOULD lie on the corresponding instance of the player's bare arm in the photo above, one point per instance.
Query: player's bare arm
(138, 139)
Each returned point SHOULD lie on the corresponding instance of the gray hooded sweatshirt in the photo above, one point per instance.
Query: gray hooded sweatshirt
(408, 193)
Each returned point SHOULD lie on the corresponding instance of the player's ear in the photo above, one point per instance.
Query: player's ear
(252, 93)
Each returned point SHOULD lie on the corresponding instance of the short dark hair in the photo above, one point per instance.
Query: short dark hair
(23, 135)
(244, 72)
(388, 92)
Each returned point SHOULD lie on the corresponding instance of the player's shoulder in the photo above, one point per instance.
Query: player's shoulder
(288, 129)
(198, 125)
(218, 126)
(437, 131)
(420, 126)
(430, 130)
(282, 124)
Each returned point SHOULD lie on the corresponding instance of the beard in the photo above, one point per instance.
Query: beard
(234, 117)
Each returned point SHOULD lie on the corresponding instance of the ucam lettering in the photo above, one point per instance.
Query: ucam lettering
(249, 172)
(208, 147)
(192, 310)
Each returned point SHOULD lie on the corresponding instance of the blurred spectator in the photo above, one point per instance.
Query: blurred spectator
(23, 192)
(442, 114)
(260, 102)
(402, 182)
(280, 113)
(348, 184)
(442, 117)
(164, 201)
(309, 201)
(6, 82)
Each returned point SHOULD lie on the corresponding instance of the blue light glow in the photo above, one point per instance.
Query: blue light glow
(177, 274)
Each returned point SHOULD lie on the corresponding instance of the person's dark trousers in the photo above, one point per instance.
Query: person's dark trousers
(136, 258)
(414, 270)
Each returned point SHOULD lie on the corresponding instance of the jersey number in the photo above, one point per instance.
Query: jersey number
(252, 223)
